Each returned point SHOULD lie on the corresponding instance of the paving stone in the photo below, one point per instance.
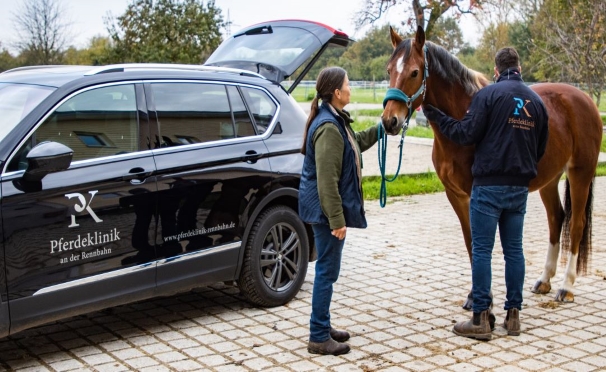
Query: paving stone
(403, 281)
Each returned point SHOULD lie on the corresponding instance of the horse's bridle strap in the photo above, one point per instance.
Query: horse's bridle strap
(396, 95)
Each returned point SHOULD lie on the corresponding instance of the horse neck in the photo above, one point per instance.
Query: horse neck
(452, 99)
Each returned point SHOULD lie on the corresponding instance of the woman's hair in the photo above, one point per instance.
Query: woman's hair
(328, 80)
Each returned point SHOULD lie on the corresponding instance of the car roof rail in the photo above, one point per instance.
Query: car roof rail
(167, 66)
(25, 68)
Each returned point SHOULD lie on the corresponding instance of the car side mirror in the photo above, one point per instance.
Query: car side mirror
(47, 157)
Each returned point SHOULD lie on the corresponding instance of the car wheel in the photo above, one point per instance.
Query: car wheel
(276, 258)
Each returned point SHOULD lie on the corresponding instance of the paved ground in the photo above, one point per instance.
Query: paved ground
(401, 288)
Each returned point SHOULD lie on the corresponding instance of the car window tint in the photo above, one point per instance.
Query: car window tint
(261, 106)
(244, 125)
(95, 123)
(192, 113)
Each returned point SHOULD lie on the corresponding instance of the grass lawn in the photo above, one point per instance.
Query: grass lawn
(358, 95)
(413, 184)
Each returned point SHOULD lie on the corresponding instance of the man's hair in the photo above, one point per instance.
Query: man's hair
(506, 58)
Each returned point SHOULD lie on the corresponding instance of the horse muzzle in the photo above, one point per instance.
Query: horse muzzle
(392, 125)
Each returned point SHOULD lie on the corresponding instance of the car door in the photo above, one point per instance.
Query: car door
(211, 163)
(81, 238)
(278, 49)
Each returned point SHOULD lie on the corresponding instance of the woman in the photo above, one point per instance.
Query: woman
(330, 196)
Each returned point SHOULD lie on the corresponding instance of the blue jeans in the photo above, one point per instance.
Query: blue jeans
(328, 266)
(502, 206)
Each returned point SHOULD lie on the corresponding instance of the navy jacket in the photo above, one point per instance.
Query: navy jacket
(349, 184)
(507, 122)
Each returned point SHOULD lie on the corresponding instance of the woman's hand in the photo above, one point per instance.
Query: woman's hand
(340, 233)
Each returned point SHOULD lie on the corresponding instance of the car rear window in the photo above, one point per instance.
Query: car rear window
(18, 100)
(278, 47)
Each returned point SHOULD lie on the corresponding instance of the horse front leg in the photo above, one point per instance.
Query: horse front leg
(460, 203)
(555, 218)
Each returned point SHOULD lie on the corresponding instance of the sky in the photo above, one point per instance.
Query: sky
(86, 16)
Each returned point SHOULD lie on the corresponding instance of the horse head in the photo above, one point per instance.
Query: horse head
(408, 72)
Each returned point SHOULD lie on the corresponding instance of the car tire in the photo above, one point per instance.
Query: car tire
(272, 274)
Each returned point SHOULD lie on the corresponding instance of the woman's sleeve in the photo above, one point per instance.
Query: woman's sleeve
(367, 137)
(329, 146)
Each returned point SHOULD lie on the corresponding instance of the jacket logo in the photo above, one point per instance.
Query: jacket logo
(521, 104)
(83, 205)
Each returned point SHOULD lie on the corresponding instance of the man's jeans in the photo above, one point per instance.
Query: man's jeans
(504, 206)
(328, 265)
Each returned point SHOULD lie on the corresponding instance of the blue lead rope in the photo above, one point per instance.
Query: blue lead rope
(382, 148)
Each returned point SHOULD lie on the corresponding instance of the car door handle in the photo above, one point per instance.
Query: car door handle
(137, 175)
(251, 156)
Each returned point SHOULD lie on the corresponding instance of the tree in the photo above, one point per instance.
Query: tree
(7, 61)
(571, 38)
(42, 31)
(521, 39)
(178, 31)
(505, 23)
(367, 58)
(424, 13)
(97, 53)
(469, 57)
(495, 37)
(448, 34)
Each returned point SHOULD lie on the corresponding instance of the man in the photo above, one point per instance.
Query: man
(507, 122)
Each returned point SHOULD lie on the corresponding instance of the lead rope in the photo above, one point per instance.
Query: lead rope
(382, 149)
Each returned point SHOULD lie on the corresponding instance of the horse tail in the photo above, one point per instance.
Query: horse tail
(585, 244)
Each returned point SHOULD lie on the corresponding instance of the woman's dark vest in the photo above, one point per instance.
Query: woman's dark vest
(351, 196)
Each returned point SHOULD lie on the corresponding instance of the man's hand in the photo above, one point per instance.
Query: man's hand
(432, 113)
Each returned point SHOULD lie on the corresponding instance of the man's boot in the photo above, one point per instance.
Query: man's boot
(328, 347)
(512, 322)
(339, 336)
(477, 327)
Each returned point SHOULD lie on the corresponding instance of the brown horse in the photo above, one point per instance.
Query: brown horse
(424, 72)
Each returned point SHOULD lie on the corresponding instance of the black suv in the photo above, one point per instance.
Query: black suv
(125, 182)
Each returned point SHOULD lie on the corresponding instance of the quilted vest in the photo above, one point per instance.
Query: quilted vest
(351, 195)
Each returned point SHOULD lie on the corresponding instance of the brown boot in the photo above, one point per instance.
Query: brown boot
(512, 322)
(339, 336)
(477, 327)
(328, 347)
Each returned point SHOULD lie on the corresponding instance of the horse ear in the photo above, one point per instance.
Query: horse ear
(395, 38)
(420, 38)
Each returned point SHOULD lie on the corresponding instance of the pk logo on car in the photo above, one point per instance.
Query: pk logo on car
(82, 206)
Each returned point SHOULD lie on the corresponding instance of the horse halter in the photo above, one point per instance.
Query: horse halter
(398, 95)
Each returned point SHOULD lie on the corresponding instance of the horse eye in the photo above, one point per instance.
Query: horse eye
(415, 73)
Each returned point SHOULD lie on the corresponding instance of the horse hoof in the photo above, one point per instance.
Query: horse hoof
(541, 288)
(564, 296)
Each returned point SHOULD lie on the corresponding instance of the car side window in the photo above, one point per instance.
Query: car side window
(197, 112)
(243, 123)
(261, 106)
(95, 123)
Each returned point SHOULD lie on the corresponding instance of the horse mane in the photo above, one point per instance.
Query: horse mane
(447, 66)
